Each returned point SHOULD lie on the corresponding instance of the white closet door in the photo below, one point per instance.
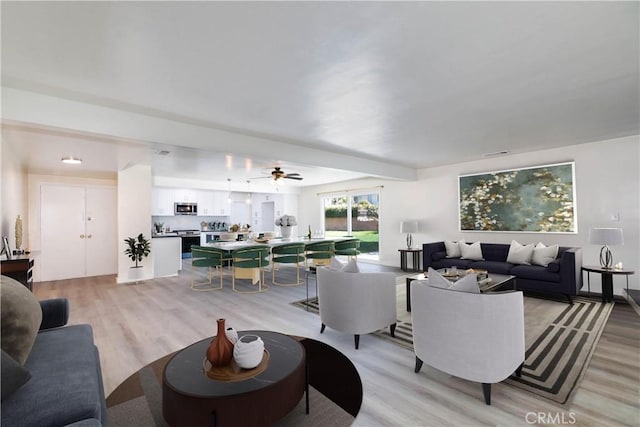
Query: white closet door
(101, 230)
(62, 230)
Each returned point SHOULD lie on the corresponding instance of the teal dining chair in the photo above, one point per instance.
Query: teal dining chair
(349, 248)
(288, 253)
(212, 259)
(249, 262)
(320, 253)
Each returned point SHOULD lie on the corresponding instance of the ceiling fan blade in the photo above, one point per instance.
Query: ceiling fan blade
(298, 178)
(292, 174)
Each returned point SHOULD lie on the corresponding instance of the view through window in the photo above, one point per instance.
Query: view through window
(354, 215)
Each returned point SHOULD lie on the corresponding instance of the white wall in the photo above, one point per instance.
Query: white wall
(607, 182)
(134, 217)
(14, 196)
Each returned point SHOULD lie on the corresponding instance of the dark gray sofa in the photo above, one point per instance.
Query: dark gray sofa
(562, 276)
(66, 381)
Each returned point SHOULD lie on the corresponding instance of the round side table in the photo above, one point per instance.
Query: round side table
(190, 398)
(607, 279)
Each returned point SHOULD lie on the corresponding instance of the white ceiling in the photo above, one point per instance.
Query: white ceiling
(332, 90)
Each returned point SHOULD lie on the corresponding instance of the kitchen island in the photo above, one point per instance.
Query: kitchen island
(167, 254)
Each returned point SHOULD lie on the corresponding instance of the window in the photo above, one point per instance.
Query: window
(354, 214)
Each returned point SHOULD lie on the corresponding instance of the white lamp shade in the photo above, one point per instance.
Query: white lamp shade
(408, 226)
(606, 236)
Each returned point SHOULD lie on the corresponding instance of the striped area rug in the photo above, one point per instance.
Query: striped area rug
(557, 359)
(560, 340)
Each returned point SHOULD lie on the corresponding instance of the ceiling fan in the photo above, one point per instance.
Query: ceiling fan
(278, 173)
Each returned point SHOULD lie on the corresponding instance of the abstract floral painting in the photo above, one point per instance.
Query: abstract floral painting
(536, 199)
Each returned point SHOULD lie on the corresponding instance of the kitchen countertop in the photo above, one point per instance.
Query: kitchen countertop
(170, 234)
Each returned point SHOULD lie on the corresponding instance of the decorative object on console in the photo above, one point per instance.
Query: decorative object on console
(220, 351)
(534, 199)
(248, 351)
(18, 230)
(409, 226)
(605, 237)
(6, 249)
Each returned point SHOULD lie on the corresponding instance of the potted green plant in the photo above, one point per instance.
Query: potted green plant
(137, 248)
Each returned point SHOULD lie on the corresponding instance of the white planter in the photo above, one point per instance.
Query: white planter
(285, 230)
(136, 273)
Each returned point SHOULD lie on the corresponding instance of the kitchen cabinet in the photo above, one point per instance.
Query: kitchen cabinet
(221, 203)
(206, 203)
(162, 200)
(167, 256)
(185, 195)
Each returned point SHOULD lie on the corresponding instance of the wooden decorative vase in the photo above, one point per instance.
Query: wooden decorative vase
(220, 351)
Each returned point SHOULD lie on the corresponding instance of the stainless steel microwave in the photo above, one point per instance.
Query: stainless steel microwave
(185, 208)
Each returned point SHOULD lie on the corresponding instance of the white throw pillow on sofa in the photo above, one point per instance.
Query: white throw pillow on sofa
(436, 279)
(351, 267)
(453, 249)
(520, 254)
(468, 283)
(336, 264)
(543, 255)
(472, 251)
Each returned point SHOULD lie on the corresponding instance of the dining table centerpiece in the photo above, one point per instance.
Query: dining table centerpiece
(286, 222)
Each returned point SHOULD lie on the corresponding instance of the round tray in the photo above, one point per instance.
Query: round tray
(232, 372)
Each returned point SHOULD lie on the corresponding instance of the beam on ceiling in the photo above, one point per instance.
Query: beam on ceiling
(40, 109)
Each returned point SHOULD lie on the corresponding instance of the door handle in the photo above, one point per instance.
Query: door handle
(82, 236)
(88, 236)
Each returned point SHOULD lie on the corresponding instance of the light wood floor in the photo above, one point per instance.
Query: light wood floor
(135, 324)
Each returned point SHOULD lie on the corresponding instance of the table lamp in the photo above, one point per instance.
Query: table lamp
(605, 237)
(409, 227)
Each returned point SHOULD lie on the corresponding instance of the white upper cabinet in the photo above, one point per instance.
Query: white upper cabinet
(221, 203)
(162, 200)
(186, 195)
(206, 203)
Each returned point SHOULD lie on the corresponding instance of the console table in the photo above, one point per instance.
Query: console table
(191, 398)
(416, 254)
(19, 267)
(607, 279)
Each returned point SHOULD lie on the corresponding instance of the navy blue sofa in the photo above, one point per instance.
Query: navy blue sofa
(562, 276)
(66, 381)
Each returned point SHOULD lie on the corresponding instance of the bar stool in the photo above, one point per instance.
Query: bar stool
(288, 253)
(249, 263)
(202, 256)
(320, 253)
(349, 248)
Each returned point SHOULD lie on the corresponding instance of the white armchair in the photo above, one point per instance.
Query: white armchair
(478, 337)
(356, 303)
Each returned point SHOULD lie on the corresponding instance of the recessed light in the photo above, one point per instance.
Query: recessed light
(71, 160)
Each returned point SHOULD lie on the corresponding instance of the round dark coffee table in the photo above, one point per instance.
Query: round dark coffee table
(190, 398)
